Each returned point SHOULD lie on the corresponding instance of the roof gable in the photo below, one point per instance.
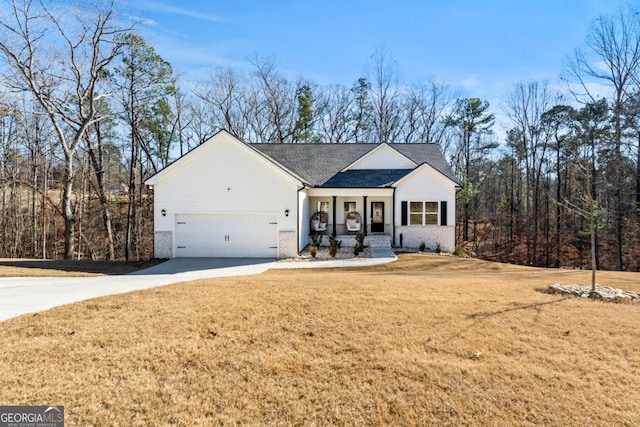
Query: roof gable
(429, 170)
(382, 157)
(430, 154)
(218, 141)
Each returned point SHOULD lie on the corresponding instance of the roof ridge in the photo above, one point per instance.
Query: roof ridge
(317, 163)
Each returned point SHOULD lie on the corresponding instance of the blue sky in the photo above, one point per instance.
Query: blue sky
(481, 47)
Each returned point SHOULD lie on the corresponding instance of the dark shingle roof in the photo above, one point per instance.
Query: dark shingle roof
(315, 163)
(319, 163)
(363, 178)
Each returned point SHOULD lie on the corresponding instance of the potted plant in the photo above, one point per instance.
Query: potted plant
(334, 246)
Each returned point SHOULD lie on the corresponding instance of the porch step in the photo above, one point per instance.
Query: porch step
(378, 242)
(349, 241)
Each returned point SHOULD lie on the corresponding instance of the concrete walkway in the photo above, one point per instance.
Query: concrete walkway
(21, 295)
(378, 256)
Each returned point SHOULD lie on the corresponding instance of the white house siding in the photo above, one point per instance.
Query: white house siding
(426, 184)
(222, 176)
(383, 157)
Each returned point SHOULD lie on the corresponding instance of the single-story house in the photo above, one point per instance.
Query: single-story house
(228, 198)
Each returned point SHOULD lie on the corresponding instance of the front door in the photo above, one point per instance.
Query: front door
(377, 217)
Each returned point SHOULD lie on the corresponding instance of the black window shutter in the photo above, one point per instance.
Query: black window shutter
(443, 213)
(404, 212)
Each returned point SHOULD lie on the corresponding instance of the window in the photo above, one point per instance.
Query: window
(349, 207)
(322, 206)
(431, 213)
(415, 213)
(423, 213)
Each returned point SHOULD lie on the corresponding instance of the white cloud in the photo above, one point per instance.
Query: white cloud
(165, 8)
(602, 66)
(469, 83)
(145, 21)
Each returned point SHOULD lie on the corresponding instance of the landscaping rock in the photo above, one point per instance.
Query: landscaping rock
(323, 255)
(605, 293)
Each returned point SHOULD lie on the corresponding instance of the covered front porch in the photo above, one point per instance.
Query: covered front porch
(346, 212)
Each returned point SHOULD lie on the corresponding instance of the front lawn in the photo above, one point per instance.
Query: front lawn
(427, 340)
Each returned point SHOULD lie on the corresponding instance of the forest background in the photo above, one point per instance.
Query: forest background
(89, 110)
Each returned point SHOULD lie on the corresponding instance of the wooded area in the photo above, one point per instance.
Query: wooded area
(89, 110)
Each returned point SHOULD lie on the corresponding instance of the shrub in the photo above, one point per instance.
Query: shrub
(459, 251)
(438, 247)
(422, 247)
(334, 246)
(313, 250)
(316, 239)
(359, 247)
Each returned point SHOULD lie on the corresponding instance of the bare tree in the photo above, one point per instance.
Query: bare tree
(95, 147)
(62, 76)
(611, 56)
(274, 99)
(425, 112)
(225, 96)
(180, 105)
(472, 122)
(559, 122)
(11, 163)
(632, 123)
(334, 106)
(587, 205)
(525, 107)
(201, 126)
(386, 97)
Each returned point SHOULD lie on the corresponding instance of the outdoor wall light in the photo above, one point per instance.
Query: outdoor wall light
(286, 212)
(163, 212)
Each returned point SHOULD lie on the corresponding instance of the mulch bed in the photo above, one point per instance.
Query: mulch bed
(82, 266)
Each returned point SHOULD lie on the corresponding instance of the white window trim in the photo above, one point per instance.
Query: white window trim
(350, 202)
(319, 204)
(424, 213)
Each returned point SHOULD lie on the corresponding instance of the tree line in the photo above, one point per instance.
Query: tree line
(89, 110)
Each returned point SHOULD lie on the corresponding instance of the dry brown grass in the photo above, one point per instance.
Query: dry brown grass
(390, 345)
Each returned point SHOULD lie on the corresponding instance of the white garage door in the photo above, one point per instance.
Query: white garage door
(252, 235)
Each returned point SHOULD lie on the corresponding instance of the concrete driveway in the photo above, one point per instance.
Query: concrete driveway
(20, 295)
